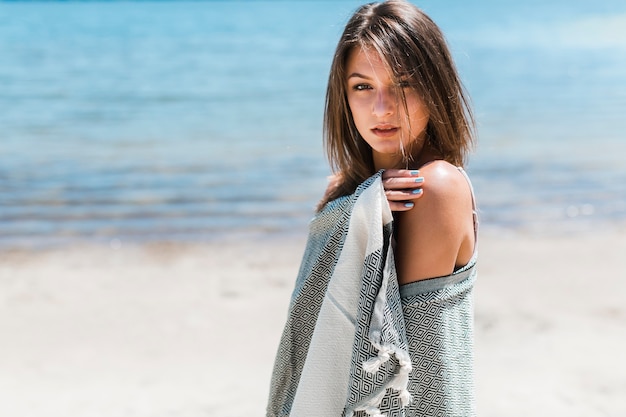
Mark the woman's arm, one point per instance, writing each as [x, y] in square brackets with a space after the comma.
[437, 234]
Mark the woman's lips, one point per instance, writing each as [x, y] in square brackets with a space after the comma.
[385, 132]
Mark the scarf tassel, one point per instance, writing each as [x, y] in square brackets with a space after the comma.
[399, 383]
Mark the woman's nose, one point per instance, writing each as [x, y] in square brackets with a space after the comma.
[384, 102]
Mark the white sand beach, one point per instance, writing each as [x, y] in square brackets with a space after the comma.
[191, 330]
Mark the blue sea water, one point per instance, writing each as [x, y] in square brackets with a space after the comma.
[195, 121]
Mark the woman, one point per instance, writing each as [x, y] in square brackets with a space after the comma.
[381, 319]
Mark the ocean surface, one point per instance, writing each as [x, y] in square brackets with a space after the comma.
[131, 122]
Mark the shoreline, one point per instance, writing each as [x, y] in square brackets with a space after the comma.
[575, 229]
[187, 330]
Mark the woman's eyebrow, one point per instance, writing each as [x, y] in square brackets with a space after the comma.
[358, 75]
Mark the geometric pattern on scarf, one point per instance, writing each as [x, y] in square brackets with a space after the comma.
[354, 342]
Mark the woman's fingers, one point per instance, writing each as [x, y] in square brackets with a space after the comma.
[402, 195]
[401, 179]
[397, 206]
[402, 187]
[391, 173]
[402, 203]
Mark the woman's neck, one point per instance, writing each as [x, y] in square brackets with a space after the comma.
[388, 161]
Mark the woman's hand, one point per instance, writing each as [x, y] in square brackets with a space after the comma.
[402, 187]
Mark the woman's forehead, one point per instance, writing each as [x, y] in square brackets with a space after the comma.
[363, 59]
[367, 56]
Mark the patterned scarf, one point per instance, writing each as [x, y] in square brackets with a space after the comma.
[344, 348]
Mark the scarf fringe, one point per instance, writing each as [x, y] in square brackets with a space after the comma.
[399, 382]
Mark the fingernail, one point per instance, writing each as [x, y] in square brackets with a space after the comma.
[420, 179]
[415, 173]
[417, 191]
[409, 205]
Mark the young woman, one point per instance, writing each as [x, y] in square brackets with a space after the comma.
[394, 105]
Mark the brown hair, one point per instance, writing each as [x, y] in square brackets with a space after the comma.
[416, 52]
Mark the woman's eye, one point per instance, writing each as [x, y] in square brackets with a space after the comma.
[361, 87]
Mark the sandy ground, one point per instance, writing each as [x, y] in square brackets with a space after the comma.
[190, 331]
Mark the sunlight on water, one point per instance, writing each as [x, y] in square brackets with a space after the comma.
[200, 120]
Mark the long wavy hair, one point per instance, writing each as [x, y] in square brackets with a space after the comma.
[415, 51]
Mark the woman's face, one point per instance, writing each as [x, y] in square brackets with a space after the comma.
[378, 111]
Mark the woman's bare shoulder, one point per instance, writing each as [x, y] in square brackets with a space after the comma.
[446, 199]
[444, 180]
[434, 233]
